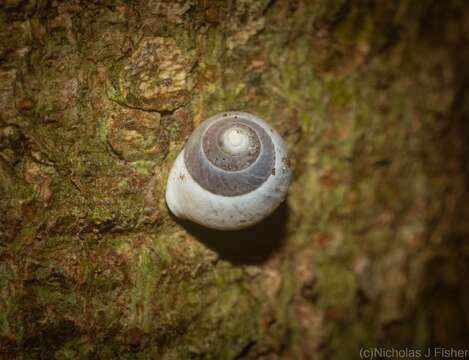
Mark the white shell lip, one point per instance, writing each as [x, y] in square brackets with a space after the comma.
[188, 200]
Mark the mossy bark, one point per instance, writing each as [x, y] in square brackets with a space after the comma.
[370, 249]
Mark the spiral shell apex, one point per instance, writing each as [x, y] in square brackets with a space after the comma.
[232, 173]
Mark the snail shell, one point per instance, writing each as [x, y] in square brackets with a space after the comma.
[232, 173]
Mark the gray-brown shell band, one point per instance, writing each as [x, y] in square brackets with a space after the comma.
[219, 158]
[234, 176]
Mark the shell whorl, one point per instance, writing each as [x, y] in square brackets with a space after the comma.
[230, 169]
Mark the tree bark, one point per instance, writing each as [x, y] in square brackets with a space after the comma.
[370, 249]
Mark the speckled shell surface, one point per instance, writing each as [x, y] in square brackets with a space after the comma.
[237, 196]
[220, 173]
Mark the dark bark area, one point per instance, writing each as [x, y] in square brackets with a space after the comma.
[371, 248]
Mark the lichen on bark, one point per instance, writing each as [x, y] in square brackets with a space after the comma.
[96, 101]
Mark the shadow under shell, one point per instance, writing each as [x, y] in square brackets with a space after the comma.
[253, 245]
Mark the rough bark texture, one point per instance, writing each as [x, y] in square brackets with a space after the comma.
[371, 248]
